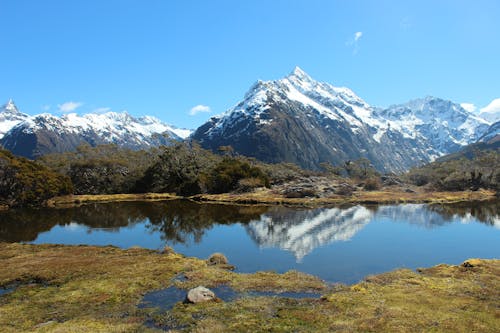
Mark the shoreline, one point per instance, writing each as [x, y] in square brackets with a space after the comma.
[98, 289]
[266, 197]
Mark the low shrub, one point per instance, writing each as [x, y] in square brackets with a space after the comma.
[372, 184]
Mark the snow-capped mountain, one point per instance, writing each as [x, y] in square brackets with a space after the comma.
[492, 134]
[300, 120]
[45, 133]
[491, 112]
[10, 117]
[442, 124]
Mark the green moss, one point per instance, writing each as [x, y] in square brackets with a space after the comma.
[97, 289]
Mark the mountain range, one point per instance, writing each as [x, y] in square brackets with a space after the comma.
[294, 119]
[33, 136]
[300, 120]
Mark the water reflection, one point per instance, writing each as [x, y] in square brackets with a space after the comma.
[297, 230]
[431, 216]
[177, 221]
[303, 231]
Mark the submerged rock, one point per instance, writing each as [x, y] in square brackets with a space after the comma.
[217, 259]
[200, 294]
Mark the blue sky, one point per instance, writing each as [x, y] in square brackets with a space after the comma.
[164, 58]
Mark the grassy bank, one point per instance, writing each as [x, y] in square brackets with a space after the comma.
[268, 197]
[72, 200]
[97, 289]
[358, 197]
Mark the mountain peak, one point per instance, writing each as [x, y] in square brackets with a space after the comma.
[300, 74]
[10, 107]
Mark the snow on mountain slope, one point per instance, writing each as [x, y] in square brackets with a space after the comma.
[32, 136]
[10, 117]
[445, 125]
[492, 111]
[339, 104]
[300, 120]
[493, 133]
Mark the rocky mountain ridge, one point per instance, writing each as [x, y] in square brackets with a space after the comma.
[297, 119]
[32, 136]
[294, 119]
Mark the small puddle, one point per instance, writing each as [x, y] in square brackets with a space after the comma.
[165, 299]
[4, 291]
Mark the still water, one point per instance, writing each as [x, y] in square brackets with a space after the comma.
[342, 244]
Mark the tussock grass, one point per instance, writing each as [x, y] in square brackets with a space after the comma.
[266, 196]
[97, 289]
[72, 200]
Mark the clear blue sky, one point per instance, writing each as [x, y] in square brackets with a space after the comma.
[162, 57]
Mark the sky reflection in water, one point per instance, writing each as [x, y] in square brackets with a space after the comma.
[337, 244]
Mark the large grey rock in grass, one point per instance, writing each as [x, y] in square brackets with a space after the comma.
[200, 294]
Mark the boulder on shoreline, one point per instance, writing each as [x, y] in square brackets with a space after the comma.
[200, 294]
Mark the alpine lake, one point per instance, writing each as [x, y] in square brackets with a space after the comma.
[338, 244]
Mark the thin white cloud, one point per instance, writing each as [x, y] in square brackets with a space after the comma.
[353, 42]
[45, 108]
[405, 23]
[469, 107]
[199, 109]
[69, 106]
[101, 110]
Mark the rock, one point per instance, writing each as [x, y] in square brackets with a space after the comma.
[345, 189]
[299, 192]
[200, 294]
[167, 250]
[217, 259]
[409, 190]
[471, 263]
[390, 180]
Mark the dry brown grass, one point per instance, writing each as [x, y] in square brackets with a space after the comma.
[96, 289]
[72, 200]
[266, 196]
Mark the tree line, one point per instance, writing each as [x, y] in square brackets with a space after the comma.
[187, 169]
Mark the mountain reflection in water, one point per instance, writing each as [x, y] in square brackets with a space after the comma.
[299, 231]
[341, 244]
[302, 231]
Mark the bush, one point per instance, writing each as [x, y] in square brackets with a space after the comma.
[226, 175]
[180, 169]
[283, 172]
[482, 170]
[249, 184]
[103, 169]
[26, 183]
[99, 177]
[372, 184]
